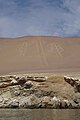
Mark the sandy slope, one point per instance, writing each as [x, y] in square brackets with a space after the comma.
[39, 54]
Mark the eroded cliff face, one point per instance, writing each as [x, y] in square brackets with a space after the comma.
[37, 91]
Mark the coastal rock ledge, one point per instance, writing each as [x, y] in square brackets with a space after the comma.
[39, 91]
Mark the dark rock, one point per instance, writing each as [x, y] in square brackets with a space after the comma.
[73, 82]
[65, 103]
[28, 84]
[13, 103]
[73, 105]
[21, 80]
[76, 98]
[77, 88]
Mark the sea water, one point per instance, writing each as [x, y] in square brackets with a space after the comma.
[39, 114]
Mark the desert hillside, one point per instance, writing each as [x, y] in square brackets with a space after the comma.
[39, 54]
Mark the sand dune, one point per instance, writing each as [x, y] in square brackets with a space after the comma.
[39, 54]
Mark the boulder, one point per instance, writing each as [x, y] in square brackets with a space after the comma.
[28, 84]
[21, 80]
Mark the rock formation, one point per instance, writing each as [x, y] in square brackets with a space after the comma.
[24, 91]
[75, 82]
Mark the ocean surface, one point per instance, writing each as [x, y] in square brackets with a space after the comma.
[39, 114]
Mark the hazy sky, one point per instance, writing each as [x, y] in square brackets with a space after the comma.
[39, 17]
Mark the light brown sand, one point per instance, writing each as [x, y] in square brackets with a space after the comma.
[39, 54]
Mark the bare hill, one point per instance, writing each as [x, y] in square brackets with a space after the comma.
[39, 54]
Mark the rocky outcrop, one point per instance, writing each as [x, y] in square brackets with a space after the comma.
[73, 82]
[20, 80]
[34, 102]
[37, 78]
[24, 91]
